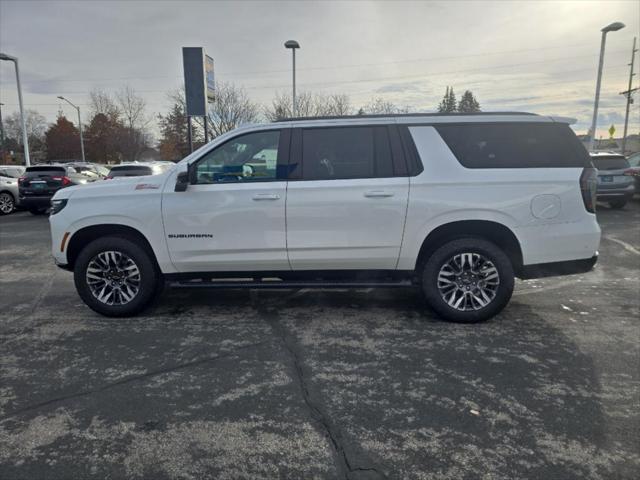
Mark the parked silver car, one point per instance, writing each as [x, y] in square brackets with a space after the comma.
[615, 184]
[9, 175]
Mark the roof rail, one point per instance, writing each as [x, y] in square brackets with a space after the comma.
[401, 115]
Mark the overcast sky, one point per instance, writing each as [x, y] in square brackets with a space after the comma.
[538, 56]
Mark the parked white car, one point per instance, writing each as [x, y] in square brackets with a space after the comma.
[9, 175]
[457, 205]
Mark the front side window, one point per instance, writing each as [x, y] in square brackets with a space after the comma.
[348, 152]
[247, 158]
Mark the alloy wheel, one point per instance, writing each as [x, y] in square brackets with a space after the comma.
[113, 278]
[6, 203]
[468, 281]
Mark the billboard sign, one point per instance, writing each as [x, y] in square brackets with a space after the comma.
[210, 77]
[194, 81]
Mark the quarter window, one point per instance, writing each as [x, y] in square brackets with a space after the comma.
[509, 145]
[348, 152]
[247, 158]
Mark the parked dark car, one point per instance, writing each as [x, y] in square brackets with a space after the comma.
[615, 185]
[39, 183]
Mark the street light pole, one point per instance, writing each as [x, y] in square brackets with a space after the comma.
[25, 140]
[613, 27]
[79, 124]
[293, 45]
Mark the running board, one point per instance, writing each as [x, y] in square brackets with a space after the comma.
[288, 284]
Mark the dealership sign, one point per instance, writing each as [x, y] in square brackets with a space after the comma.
[199, 80]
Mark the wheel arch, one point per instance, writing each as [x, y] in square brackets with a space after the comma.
[493, 231]
[85, 235]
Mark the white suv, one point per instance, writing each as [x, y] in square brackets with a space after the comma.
[457, 205]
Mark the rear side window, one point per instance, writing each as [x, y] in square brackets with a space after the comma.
[130, 171]
[514, 145]
[347, 152]
[610, 163]
[45, 170]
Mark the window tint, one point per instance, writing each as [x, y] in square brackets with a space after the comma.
[45, 170]
[348, 152]
[248, 158]
[509, 145]
[610, 163]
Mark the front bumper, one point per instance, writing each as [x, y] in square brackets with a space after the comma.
[555, 269]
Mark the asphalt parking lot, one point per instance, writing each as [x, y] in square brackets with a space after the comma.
[320, 384]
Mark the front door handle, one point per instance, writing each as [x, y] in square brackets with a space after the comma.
[378, 194]
[266, 196]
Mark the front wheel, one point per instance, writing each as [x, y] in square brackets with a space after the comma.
[468, 280]
[7, 203]
[115, 277]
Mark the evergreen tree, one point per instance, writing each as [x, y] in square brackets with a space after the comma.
[468, 103]
[448, 103]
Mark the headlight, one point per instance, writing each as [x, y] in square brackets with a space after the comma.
[57, 205]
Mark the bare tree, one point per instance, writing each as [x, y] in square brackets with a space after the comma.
[308, 105]
[231, 107]
[101, 102]
[380, 106]
[36, 127]
[133, 108]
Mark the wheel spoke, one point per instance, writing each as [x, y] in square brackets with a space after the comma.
[113, 277]
[468, 281]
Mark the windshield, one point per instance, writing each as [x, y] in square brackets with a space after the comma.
[11, 172]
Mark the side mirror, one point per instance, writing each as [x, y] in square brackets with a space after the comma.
[182, 182]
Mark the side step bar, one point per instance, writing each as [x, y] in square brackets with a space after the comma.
[288, 284]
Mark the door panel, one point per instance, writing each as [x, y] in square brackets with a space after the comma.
[227, 227]
[346, 224]
[232, 215]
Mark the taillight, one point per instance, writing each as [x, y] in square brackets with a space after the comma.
[21, 179]
[632, 172]
[65, 180]
[588, 187]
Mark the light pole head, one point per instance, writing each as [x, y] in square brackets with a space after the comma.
[4, 56]
[613, 27]
[60, 97]
[291, 44]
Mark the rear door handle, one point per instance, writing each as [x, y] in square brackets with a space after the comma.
[378, 194]
[266, 196]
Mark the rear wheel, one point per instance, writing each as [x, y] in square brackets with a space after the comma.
[617, 204]
[115, 277]
[468, 280]
[7, 203]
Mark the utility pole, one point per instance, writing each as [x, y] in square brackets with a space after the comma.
[1, 129]
[628, 94]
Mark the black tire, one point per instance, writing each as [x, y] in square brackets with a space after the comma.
[502, 292]
[7, 203]
[38, 211]
[618, 204]
[149, 279]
